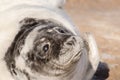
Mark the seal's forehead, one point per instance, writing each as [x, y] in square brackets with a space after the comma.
[44, 25]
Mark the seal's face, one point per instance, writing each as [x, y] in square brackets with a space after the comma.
[43, 47]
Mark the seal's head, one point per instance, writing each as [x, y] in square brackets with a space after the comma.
[43, 47]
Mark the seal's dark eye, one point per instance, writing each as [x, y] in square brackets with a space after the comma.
[45, 48]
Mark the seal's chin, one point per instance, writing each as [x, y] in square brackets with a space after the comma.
[70, 53]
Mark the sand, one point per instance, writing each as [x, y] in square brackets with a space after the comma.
[102, 19]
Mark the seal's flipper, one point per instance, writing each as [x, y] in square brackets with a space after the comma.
[93, 55]
[99, 75]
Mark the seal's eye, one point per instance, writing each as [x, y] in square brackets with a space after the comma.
[45, 47]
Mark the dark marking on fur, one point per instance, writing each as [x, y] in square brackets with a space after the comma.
[27, 75]
[29, 22]
[13, 50]
[13, 69]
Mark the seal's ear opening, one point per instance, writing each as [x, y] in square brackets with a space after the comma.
[93, 55]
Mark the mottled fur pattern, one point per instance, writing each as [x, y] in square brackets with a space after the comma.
[36, 60]
[39, 42]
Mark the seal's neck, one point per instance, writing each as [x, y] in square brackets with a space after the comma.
[5, 4]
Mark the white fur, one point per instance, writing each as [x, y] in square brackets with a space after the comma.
[11, 12]
[93, 55]
[6, 4]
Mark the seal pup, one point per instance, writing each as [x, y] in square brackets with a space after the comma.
[39, 42]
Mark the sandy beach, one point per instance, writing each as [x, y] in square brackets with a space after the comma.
[102, 19]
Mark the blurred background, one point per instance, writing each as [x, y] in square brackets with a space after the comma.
[102, 19]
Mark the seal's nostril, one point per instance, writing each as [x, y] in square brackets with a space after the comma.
[70, 43]
[74, 39]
